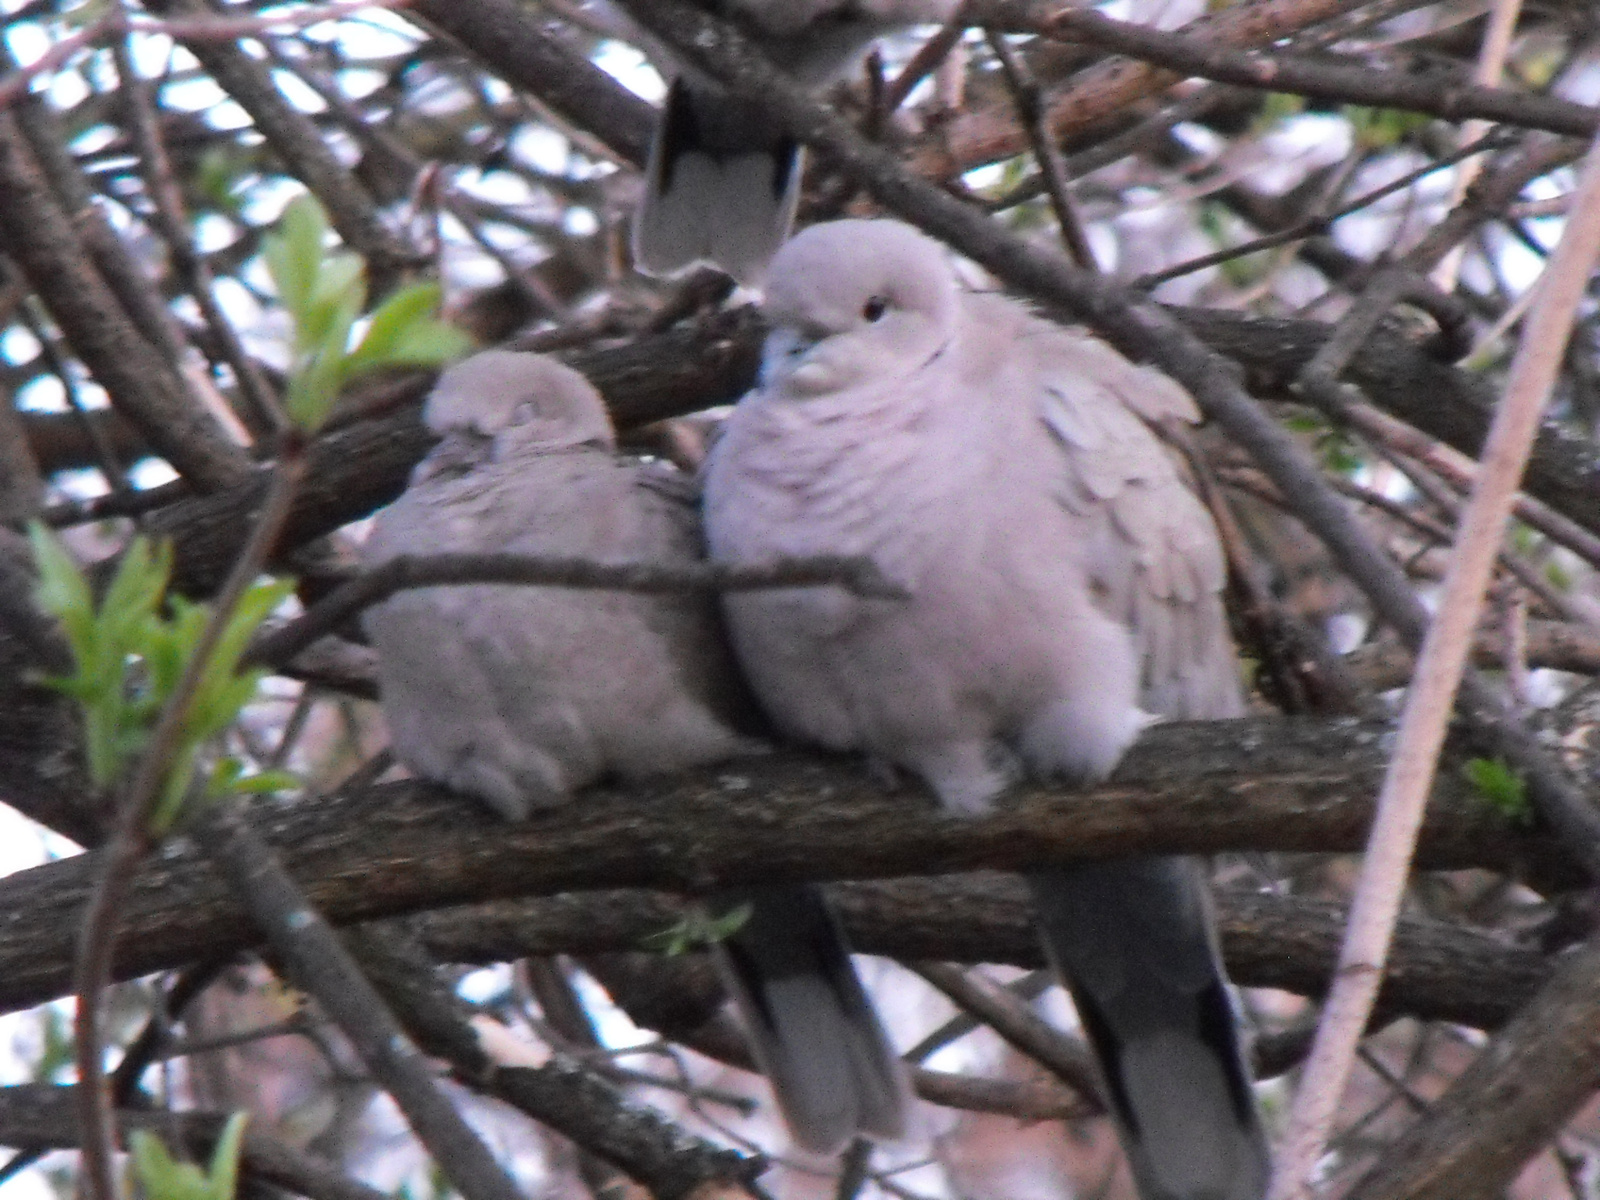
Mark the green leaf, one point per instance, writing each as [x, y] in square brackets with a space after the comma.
[325, 294]
[1378, 128]
[228, 779]
[225, 1158]
[265, 782]
[293, 254]
[161, 1177]
[1500, 787]
[312, 392]
[219, 178]
[57, 1052]
[62, 590]
[337, 297]
[130, 656]
[697, 929]
[403, 332]
[430, 344]
[136, 588]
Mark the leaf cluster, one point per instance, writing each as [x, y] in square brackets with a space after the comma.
[325, 293]
[129, 654]
[162, 1177]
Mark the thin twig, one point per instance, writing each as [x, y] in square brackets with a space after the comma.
[404, 572]
[1463, 472]
[1439, 671]
[1064, 1057]
[1321, 79]
[1311, 226]
[1031, 986]
[133, 838]
[1485, 73]
[1030, 108]
[319, 963]
[205, 28]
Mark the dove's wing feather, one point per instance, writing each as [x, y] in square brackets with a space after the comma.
[715, 190]
[1134, 938]
[723, 183]
[1156, 558]
[812, 1027]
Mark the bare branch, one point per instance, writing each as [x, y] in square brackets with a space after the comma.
[374, 852]
[146, 389]
[1508, 1104]
[1322, 79]
[404, 572]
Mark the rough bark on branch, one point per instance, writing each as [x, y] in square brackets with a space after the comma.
[1441, 971]
[398, 848]
[1525, 1086]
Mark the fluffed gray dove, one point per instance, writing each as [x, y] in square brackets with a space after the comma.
[1065, 590]
[520, 695]
[722, 182]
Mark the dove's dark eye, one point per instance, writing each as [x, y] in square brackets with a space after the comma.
[874, 308]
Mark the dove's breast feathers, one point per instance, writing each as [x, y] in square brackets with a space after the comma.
[521, 694]
[1009, 485]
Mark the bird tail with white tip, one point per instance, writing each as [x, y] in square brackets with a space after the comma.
[1133, 940]
[812, 1027]
[717, 190]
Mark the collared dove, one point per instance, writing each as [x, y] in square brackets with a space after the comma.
[722, 182]
[1065, 588]
[520, 695]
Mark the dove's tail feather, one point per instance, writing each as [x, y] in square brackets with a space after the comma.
[1134, 942]
[811, 1025]
[717, 189]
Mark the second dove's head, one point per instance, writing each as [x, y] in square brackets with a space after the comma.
[499, 390]
[853, 301]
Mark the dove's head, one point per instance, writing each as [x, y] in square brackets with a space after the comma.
[499, 391]
[851, 301]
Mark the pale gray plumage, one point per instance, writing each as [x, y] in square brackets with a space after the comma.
[722, 183]
[1065, 589]
[519, 695]
[516, 694]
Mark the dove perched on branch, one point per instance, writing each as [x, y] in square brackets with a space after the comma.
[722, 182]
[1065, 588]
[519, 695]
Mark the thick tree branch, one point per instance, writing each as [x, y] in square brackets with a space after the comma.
[506, 37]
[392, 849]
[1531, 1079]
[1441, 972]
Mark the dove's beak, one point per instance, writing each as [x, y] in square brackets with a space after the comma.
[785, 350]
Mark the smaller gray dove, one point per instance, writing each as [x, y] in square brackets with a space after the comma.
[1064, 588]
[520, 695]
[722, 182]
